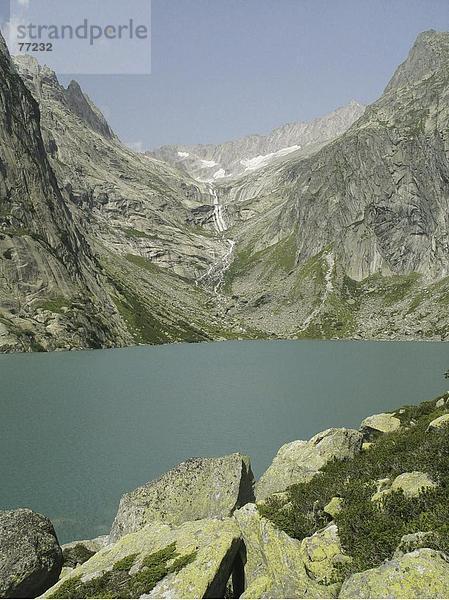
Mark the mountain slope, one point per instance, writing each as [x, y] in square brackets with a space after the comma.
[49, 287]
[353, 240]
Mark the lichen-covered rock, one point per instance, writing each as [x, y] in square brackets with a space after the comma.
[323, 554]
[30, 555]
[411, 484]
[381, 423]
[420, 574]
[198, 488]
[193, 560]
[275, 562]
[334, 506]
[299, 461]
[439, 422]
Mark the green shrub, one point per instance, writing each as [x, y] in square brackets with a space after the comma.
[370, 532]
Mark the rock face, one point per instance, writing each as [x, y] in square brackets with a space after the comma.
[194, 560]
[299, 461]
[30, 556]
[255, 151]
[420, 574]
[275, 565]
[381, 423]
[196, 489]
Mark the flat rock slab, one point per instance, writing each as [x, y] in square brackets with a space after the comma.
[199, 488]
[381, 423]
[30, 555]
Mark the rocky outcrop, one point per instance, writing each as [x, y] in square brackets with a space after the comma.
[299, 461]
[196, 489]
[194, 560]
[275, 563]
[420, 574]
[30, 555]
[381, 423]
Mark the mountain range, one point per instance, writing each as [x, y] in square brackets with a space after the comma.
[336, 228]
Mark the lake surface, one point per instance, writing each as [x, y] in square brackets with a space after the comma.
[78, 429]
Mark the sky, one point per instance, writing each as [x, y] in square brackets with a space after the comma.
[222, 69]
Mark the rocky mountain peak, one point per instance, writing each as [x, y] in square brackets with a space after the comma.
[43, 84]
[428, 54]
[81, 104]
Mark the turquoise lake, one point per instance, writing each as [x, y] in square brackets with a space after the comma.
[78, 429]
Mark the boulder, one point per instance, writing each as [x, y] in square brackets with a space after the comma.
[275, 565]
[323, 554]
[30, 555]
[334, 506]
[192, 560]
[423, 573]
[381, 423]
[439, 422]
[299, 461]
[199, 488]
[412, 484]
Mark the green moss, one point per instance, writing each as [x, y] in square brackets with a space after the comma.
[118, 583]
[370, 532]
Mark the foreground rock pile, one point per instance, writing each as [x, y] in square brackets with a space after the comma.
[202, 531]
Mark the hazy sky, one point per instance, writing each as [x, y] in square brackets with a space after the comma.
[225, 68]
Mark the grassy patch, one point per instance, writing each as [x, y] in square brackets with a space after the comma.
[142, 263]
[55, 305]
[369, 532]
[118, 583]
[130, 232]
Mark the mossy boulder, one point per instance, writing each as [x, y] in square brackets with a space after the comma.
[380, 423]
[199, 488]
[275, 565]
[193, 560]
[300, 461]
[423, 573]
[30, 555]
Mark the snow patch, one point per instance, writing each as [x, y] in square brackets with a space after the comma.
[183, 154]
[252, 164]
[209, 163]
